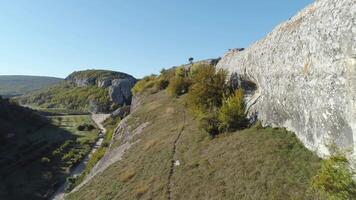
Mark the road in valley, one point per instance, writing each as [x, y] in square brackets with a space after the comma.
[98, 119]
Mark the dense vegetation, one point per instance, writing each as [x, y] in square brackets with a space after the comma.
[254, 163]
[335, 179]
[67, 96]
[36, 152]
[212, 100]
[96, 75]
[110, 125]
[19, 85]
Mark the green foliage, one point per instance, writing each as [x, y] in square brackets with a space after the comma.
[164, 78]
[97, 75]
[178, 85]
[335, 179]
[35, 150]
[206, 96]
[110, 125]
[232, 113]
[208, 89]
[210, 123]
[144, 84]
[70, 97]
[85, 127]
[180, 71]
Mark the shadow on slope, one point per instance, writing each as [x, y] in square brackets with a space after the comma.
[31, 153]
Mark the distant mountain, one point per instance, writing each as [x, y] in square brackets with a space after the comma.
[19, 85]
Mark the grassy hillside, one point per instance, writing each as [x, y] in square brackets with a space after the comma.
[68, 96]
[254, 163]
[36, 152]
[18, 85]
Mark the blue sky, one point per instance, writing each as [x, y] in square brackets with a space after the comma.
[139, 37]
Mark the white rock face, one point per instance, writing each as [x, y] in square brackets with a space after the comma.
[305, 75]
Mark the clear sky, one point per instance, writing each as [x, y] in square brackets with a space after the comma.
[139, 37]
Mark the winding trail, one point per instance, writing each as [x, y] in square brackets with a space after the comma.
[98, 119]
[173, 159]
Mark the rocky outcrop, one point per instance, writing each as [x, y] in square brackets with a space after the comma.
[304, 75]
[118, 84]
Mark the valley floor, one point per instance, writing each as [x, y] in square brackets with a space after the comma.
[98, 119]
[171, 158]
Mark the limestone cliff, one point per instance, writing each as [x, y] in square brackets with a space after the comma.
[118, 84]
[304, 73]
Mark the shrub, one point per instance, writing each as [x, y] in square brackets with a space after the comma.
[180, 71]
[210, 123]
[85, 127]
[208, 89]
[144, 84]
[334, 180]
[161, 84]
[163, 79]
[232, 113]
[178, 85]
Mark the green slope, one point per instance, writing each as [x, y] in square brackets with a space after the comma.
[255, 163]
[67, 96]
[36, 152]
[18, 85]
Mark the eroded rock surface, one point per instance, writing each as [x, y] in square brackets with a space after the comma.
[118, 84]
[305, 75]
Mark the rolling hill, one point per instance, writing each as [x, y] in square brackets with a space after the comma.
[18, 85]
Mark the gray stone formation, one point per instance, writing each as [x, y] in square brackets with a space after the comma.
[302, 76]
[118, 84]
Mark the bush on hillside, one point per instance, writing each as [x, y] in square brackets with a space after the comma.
[144, 84]
[208, 89]
[178, 85]
[334, 180]
[232, 113]
[210, 123]
[163, 79]
[181, 72]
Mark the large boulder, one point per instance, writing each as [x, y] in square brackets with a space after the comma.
[304, 75]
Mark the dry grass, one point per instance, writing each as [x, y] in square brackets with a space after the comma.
[127, 175]
[250, 164]
[140, 190]
[150, 143]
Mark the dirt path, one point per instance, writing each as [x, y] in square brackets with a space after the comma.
[98, 119]
[173, 159]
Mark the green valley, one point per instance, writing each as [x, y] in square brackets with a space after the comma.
[37, 152]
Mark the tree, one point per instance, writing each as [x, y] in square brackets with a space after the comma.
[191, 59]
